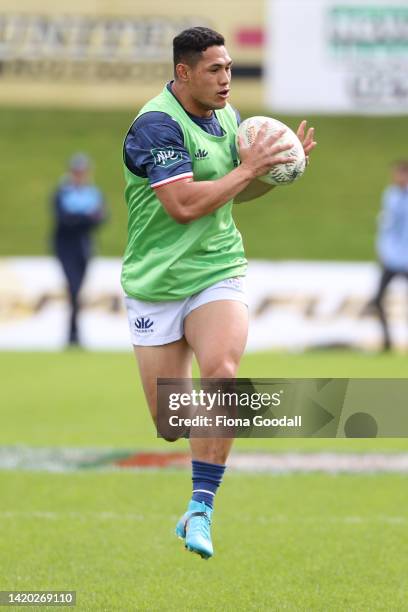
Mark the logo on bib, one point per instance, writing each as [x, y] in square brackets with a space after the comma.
[201, 154]
[166, 157]
[234, 155]
[143, 325]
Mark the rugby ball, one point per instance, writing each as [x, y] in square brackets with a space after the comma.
[281, 174]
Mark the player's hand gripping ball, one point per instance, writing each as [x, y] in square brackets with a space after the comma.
[281, 174]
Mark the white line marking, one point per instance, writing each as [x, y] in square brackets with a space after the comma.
[73, 459]
[271, 519]
[54, 516]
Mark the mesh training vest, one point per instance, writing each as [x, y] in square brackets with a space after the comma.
[166, 260]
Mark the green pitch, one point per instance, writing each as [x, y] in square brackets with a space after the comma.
[329, 214]
[291, 542]
[78, 398]
[299, 543]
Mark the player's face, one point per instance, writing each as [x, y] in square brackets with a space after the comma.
[400, 177]
[80, 177]
[210, 79]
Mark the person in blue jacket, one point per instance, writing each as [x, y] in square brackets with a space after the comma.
[79, 208]
[392, 240]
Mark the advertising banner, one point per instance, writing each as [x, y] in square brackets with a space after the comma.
[337, 56]
[106, 54]
[292, 305]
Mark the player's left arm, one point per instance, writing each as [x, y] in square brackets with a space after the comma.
[257, 188]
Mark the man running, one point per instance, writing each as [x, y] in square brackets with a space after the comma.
[184, 265]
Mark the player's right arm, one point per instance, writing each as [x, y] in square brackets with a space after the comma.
[188, 200]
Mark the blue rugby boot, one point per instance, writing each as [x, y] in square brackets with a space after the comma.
[194, 527]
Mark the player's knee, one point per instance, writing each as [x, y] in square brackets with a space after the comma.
[181, 432]
[221, 368]
[172, 439]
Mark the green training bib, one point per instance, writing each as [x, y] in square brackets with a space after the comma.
[165, 260]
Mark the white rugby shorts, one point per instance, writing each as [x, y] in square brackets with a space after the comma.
[156, 323]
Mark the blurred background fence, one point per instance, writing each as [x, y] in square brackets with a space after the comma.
[74, 74]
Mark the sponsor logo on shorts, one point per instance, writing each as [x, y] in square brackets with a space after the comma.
[164, 158]
[143, 325]
[235, 281]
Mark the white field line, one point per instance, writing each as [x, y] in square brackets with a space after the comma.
[73, 459]
[327, 462]
[271, 519]
[82, 516]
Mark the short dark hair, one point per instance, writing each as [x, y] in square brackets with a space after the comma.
[400, 164]
[189, 44]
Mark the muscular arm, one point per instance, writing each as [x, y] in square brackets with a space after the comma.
[254, 190]
[188, 200]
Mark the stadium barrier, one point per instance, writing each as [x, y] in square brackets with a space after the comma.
[293, 305]
[115, 54]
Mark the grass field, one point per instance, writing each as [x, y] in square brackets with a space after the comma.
[330, 214]
[95, 399]
[296, 542]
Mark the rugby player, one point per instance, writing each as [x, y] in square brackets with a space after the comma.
[392, 241]
[184, 265]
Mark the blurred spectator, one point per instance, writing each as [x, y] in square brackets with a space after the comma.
[392, 241]
[78, 208]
